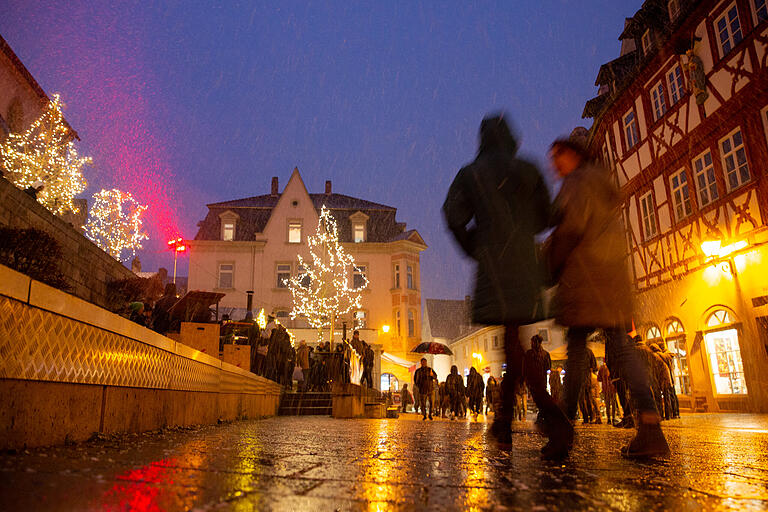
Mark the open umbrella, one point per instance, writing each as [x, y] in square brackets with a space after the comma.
[431, 347]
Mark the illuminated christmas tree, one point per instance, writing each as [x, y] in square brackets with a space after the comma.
[115, 224]
[321, 289]
[45, 153]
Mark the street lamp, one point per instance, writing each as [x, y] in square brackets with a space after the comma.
[385, 329]
[177, 246]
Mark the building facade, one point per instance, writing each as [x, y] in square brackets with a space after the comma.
[681, 118]
[252, 244]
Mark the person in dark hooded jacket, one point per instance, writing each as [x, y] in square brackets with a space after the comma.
[586, 254]
[508, 203]
[475, 389]
[454, 385]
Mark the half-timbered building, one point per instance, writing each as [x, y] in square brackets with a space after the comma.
[681, 118]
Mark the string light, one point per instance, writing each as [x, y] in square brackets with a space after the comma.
[115, 224]
[321, 289]
[261, 319]
[46, 153]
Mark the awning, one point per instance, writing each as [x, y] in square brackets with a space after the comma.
[399, 361]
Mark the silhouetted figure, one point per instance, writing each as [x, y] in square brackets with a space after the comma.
[537, 364]
[586, 254]
[424, 379]
[508, 202]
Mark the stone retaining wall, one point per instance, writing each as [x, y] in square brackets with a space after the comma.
[86, 268]
[69, 368]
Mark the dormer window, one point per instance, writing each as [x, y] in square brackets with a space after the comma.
[228, 231]
[228, 221]
[359, 232]
[359, 222]
[645, 42]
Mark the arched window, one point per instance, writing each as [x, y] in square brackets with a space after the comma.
[653, 333]
[675, 334]
[389, 382]
[725, 354]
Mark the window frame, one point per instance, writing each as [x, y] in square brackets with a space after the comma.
[361, 227]
[409, 277]
[398, 325]
[658, 101]
[626, 128]
[709, 186]
[396, 276]
[675, 79]
[292, 223]
[219, 274]
[224, 230]
[647, 235]
[357, 325]
[755, 11]
[357, 270]
[289, 272]
[646, 43]
[724, 324]
[734, 152]
[731, 40]
[673, 15]
[411, 323]
[682, 184]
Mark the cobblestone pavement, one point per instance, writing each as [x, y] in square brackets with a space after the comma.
[318, 463]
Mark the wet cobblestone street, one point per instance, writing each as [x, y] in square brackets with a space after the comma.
[318, 463]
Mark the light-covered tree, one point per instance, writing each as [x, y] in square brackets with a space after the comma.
[115, 223]
[46, 153]
[321, 289]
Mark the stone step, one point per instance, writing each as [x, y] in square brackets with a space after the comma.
[306, 404]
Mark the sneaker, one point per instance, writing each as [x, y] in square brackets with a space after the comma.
[649, 442]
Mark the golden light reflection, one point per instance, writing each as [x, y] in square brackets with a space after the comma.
[379, 469]
[245, 475]
[473, 465]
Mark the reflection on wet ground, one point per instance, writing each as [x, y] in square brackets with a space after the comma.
[318, 463]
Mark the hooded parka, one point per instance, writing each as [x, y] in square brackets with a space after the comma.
[508, 201]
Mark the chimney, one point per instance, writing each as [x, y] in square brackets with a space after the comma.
[274, 186]
[328, 187]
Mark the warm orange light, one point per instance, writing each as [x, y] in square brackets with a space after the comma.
[385, 328]
[710, 248]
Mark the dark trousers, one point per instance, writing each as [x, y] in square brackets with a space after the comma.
[675, 403]
[610, 405]
[423, 399]
[618, 349]
[476, 404]
[621, 393]
[514, 356]
[456, 405]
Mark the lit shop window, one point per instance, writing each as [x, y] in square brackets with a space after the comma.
[725, 354]
[676, 346]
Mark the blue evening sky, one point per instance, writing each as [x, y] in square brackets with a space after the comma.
[186, 103]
